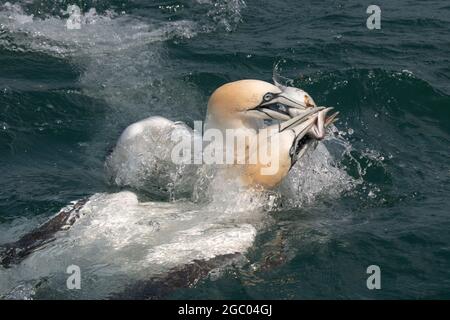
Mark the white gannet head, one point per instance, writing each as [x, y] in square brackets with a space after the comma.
[245, 103]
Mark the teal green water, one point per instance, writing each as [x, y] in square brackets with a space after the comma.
[66, 97]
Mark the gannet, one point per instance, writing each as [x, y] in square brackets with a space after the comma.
[243, 105]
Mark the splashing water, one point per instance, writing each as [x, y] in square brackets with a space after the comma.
[119, 236]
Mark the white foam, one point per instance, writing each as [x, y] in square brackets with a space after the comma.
[315, 174]
[118, 235]
[98, 34]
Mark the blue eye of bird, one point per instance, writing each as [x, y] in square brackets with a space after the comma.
[268, 97]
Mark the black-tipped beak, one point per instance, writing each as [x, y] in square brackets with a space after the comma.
[276, 111]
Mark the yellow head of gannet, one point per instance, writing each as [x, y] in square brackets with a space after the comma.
[245, 104]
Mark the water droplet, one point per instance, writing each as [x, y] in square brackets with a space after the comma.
[350, 131]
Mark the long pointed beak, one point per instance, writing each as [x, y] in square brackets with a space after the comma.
[295, 98]
[287, 104]
[314, 119]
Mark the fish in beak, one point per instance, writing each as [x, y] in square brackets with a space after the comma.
[295, 136]
[292, 105]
